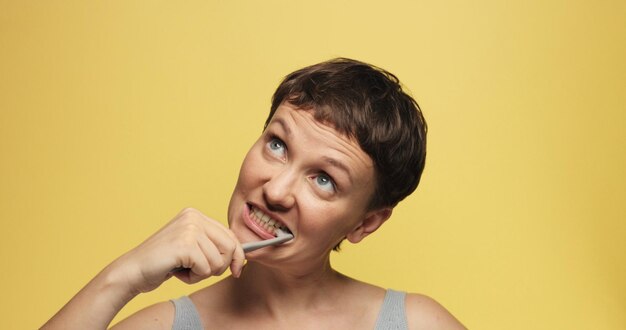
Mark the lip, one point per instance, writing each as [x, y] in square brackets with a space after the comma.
[252, 225]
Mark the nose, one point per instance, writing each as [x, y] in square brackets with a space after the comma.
[278, 191]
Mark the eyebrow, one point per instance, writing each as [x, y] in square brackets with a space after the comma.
[284, 125]
[335, 163]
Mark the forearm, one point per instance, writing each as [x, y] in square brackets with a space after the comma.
[95, 306]
[179, 244]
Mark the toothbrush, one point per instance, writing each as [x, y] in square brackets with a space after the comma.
[281, 237]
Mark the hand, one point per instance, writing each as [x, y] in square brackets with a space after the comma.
[193, 241]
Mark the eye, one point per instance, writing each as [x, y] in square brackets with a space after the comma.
[277, 147]
[325, 182]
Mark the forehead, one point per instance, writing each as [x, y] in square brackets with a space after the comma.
[321, 139]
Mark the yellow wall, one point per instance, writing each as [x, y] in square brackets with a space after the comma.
[114, 115]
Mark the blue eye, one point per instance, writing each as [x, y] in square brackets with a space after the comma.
[277, 147]
[325, 182]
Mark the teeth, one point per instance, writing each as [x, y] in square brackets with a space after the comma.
[265, 221]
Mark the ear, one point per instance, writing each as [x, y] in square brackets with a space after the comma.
[372, 221]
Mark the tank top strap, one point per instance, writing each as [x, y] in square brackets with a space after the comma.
[392, 313]
[186, 315]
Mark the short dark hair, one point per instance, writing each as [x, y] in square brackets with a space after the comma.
[367, 103]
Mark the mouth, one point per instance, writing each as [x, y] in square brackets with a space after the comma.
[261, 223]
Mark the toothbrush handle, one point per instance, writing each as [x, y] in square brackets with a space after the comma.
[251, 246]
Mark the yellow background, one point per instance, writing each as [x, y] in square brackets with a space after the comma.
[114, 115]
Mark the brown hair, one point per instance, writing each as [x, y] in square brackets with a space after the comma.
[367, 103]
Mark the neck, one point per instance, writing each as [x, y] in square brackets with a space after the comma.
[275, 290]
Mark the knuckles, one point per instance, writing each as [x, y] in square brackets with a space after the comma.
[220, 267]
[188, 215]
[206, 272]
[229, 247]
[188, 210]
[190, 227]
[185, 243]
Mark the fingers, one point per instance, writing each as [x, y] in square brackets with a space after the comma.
[218, 245]
[197, 267]
[231, 250]
[214, 257]
[238, 257]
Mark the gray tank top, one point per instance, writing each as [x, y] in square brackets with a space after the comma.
[391, 316]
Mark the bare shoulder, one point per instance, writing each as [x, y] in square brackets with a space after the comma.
[423, 312]
[157, 316]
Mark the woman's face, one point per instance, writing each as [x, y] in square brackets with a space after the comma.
[305, 176]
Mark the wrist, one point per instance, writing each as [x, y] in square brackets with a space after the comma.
[116, 281]
[96, 304]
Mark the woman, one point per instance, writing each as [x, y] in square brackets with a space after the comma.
[342, 145]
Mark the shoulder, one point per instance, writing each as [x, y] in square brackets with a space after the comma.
[157, 316]
[423, 312]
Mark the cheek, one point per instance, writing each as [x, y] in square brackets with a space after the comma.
[245, 182]
[249, 172]
[329, 217]
[254, 172]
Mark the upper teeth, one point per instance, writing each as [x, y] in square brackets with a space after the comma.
[259, 215]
